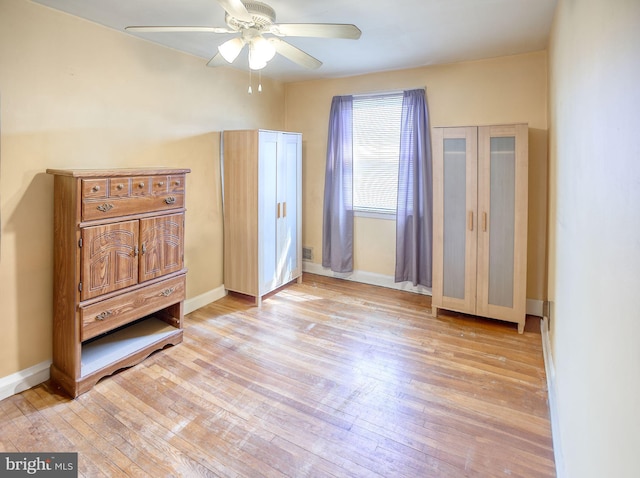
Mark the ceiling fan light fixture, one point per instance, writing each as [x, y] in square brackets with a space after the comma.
[231, 49]
[260, 52]
[256, 63]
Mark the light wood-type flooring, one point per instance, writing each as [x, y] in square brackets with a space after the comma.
[327, 378]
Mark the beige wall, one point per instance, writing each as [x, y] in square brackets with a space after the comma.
[594, 235]
[502, 90]
[75, 94]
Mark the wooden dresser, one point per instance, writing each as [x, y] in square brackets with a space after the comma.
[119, 276]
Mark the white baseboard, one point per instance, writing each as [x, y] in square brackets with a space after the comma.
[552, 394]
[366, 278]
[32, 376]
[203, 299]
[534, 307]
[24, 379]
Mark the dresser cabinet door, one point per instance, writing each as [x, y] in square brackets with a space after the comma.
[161, 246]
[109, 258]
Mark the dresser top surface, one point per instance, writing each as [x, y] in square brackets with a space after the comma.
[117, 172]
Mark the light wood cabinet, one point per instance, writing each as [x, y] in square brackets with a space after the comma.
[262, 210]
[119, 276]
[480, 221]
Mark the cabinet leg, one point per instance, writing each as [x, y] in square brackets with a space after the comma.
[259, 300]
[434, 311]
[521, 327]
[299, 279]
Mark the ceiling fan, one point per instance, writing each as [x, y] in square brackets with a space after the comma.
[252, 20]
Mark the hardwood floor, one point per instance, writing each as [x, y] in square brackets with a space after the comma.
[328, 378]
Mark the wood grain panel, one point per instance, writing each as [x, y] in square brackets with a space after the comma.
[241, 204]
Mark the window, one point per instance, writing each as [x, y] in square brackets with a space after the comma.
[376, 149]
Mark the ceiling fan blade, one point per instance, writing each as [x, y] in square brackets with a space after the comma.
[320, 30]
[236, 9]
[217, 60]
[295, 54]
[155, 29]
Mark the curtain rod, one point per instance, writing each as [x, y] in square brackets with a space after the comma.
[389, 92]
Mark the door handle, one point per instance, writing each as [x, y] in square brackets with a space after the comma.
[484, 222]
[471, 220]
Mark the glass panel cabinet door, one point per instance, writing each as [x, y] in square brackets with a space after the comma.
[502, 205]
[455, 218]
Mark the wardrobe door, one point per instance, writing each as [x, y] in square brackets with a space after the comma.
[269, 209]
[502, 205]
[289, 175]
[455, 218]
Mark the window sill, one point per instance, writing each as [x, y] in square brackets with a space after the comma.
[389, 216]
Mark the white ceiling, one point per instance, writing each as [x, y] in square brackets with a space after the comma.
[396, 34]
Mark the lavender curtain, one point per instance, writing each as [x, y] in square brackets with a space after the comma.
[414, 215]
[337, 231]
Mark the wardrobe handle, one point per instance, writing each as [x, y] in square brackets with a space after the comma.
[471, 220]
[484, 222]
[278, 211]
[284, 209]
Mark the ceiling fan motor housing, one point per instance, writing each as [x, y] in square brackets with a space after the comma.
[263, 15]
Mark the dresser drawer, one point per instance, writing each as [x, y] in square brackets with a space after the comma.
[176, 183]
[119, 187]
[112, 313]
[114, 207]
[102, 198]
[94, 188]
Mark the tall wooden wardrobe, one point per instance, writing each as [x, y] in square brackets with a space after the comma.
[480, 221]
[262, 210]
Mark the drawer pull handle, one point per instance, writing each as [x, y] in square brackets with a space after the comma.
[104, 315]
[140, 185]
[177, 183]
[170, 200]
[144, 248]
[161, 183]
[135, 251]
[120, 187]
[167, 292]
[96, 188]
[105, 207]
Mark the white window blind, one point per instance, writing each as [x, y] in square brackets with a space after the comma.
[376, 149]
